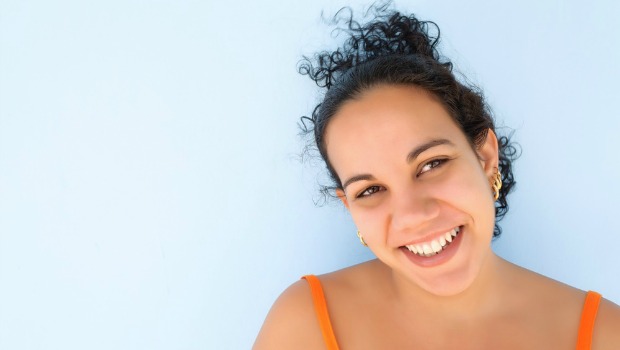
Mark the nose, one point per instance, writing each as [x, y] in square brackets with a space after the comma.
[412, 208]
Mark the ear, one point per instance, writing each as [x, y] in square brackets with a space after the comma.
[342, 197]
[488, 154]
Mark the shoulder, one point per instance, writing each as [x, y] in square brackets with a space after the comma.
[566, 304]
[366, 274]
[607, 327]
[291, 323]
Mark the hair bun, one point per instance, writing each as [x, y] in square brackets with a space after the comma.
[389, 33]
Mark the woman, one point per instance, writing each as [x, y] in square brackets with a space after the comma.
[416, 160]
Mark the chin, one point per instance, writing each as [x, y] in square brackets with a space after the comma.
[453, 282]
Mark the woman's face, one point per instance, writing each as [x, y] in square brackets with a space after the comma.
[418, 193]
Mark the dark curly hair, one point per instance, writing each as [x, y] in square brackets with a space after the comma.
[398, 49]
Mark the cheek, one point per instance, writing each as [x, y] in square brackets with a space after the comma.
[463, 186]
[470, 192]
[371, 222]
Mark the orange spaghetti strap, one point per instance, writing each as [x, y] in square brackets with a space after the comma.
[588, 316]
[320, 306]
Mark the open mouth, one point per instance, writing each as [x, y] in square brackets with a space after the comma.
[436, 246]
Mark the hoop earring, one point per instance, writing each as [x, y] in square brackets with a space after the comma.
[359, 235]
[497, 184]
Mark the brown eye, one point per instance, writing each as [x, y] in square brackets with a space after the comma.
[432, 165]
[370, 191]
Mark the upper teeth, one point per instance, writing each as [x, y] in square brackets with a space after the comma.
[435, 246]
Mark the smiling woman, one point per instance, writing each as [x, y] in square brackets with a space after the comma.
[416, 160]
[423, 182]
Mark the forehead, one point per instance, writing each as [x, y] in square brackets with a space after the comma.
[387, 121]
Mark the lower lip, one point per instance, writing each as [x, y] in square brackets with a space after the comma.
[436, 259]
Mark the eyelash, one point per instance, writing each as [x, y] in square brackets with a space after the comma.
[372, 189]
[438, 162]
[435, 163]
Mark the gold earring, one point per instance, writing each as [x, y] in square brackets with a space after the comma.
[359, 235]
[497, 184]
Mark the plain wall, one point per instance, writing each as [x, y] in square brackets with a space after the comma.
[151, 194]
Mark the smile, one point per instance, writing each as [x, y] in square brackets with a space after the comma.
[436, 246]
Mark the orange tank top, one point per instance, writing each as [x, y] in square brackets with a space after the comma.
[584, 336]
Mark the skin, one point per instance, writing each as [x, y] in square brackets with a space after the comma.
[475, 299]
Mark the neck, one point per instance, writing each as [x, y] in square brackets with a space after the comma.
[481, 298]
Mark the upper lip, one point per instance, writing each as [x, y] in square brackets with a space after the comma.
[428, 238]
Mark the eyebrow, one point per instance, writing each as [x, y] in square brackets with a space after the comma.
[410, 158]
[362, 177]
[425, 146]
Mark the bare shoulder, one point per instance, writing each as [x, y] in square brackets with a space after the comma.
[607, 327]
[366, 274]
[548, 295]
[566, 304]
[291, 323]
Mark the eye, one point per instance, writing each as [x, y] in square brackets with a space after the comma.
[369, 191]
[435, 163]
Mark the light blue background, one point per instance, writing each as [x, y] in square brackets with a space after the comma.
[150, 192]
